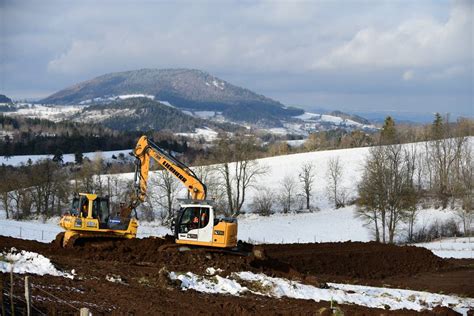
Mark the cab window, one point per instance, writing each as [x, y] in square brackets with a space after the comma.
[204, 218]
[189, 219]
[75, 207]
[84, 206]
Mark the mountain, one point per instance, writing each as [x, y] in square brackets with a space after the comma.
[5, 99]
[143, 114]
[183, 88]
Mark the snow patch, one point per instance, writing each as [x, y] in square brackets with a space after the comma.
[373, 297]
[166, 103]
[215, 284]
[28, 262]
[212, 271]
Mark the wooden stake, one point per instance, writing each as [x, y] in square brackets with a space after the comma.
[1, 294]
[27, 296]
[84, 311]
[12, 306]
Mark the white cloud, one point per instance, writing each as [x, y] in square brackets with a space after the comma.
[408, 75]
[421, 42]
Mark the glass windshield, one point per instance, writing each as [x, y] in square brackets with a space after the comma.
[84, 207]
[100, 209]
[75, 207]
[193, 218]
[104, 210]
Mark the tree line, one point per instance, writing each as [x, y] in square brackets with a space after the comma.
[397, 178]
[37, 136]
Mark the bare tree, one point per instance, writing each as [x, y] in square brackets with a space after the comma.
[240, 171]
[168, 189]
[5, 188]
[386, 191]
[306, 177]
[216, 190]
[262, 202]
[288, 193]
[335, 191]
[445, 153]
[465, 188]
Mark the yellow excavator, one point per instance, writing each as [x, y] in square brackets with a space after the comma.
[195, 222]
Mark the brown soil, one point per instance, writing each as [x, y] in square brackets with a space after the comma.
[145, 290]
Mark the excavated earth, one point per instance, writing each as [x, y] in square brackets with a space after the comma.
[141, 265]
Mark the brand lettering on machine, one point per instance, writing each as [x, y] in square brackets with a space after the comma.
[174, 171]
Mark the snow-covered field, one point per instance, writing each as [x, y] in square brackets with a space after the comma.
[55, 113]
[23, 159]
[373, 297]
[331, 119]
[451, 247]
[325, 225]
[206, 133]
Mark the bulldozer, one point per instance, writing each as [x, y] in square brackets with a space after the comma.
[90, 217]
[195, 223]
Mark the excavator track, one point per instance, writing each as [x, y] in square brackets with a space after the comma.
[256, 251]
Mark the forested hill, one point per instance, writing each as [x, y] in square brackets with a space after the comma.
[5, 99]
[183, 88]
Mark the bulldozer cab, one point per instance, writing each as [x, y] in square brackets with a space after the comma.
[91, 206]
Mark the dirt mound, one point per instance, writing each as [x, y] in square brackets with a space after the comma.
[111, 274]
[356, 259]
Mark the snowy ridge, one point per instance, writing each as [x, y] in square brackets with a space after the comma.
[117, 97]
[373, 297]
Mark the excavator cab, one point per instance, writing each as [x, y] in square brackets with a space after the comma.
[90, 217]
[196, 224]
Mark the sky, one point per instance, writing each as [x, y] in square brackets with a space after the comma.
[359, 55]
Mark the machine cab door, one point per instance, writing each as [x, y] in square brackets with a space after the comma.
[195, 223]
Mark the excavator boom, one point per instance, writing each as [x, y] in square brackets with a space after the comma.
[146, 149]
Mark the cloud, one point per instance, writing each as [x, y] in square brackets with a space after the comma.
[280, 48]
[408, 75]
[419, 42]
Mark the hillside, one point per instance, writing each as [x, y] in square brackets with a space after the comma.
[140, 114]
[183, 88]
[5, 99]
[353, 117]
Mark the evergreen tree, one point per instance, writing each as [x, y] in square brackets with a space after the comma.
[78, 158]
[389, 132]
[58, 156]
[437, 127]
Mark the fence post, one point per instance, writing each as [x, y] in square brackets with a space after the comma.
[1, 294]
[12, 305]
[20, 231]
[84, 311]
[27, 296]
[42, 231]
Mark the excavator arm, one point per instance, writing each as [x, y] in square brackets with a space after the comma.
[144, 151]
